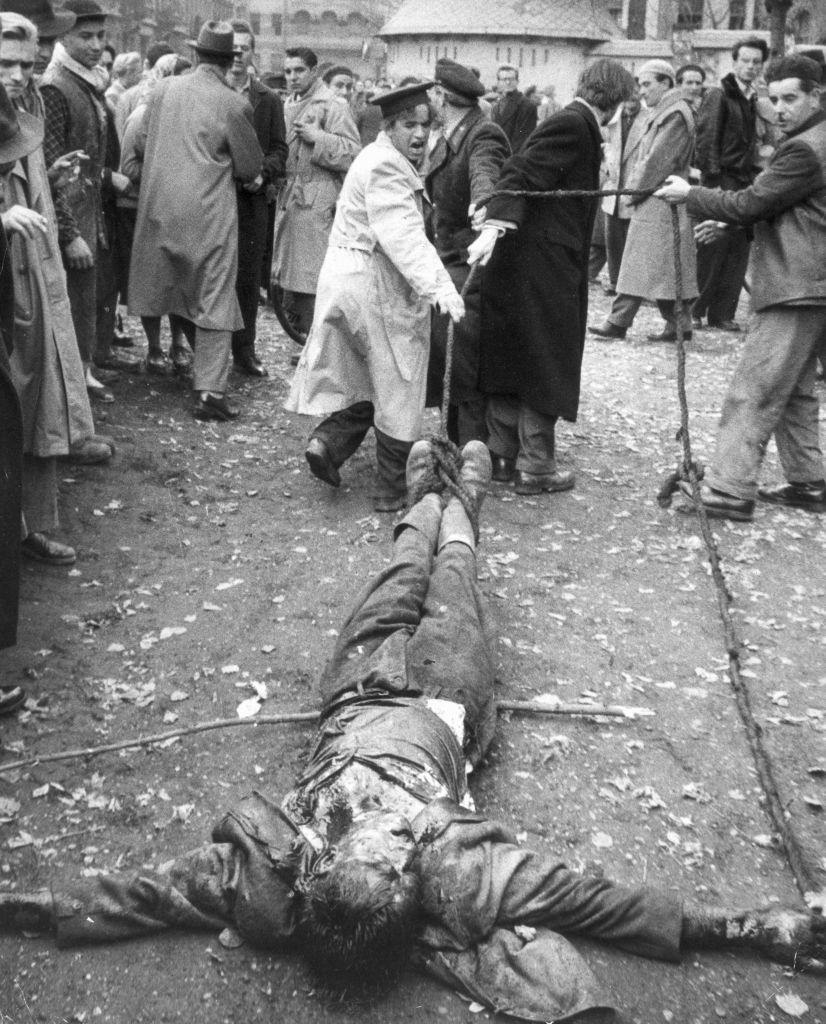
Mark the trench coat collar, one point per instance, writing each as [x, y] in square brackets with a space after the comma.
[214, 71]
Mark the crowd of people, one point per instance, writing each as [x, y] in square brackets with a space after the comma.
[181, 188]
[178, 189]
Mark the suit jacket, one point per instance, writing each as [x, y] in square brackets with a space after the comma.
[727, 136]
[461, 171]
[516, 116]
[268, 122]
[787, 205]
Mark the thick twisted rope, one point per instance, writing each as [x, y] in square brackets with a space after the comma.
[807, 876]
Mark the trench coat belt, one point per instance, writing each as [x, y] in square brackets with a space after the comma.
[357, 246]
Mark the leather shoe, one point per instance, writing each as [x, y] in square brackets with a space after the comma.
[91, 451]
[419, 462]
[98, 393]
[12, 698]
[158, 364]
[121, 340]
[809, 496]
[717, 504]
[502, 469]
[476, 469]
[669, 334]
[726, 325]
[214, 407]
[536, 483]
[41, 548]
[607, 330]
[390, 502]
[251, 366]
[321, 462]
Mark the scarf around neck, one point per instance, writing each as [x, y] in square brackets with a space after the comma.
[95, 77]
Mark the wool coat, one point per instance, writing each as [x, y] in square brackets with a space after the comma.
[371, 331]
[45, 365]
[11, 458]
[648, 259]
[315, 173]
[195, 140]
[535, 287]
[516, 115]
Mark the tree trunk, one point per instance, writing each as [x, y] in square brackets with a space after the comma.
[777, 11]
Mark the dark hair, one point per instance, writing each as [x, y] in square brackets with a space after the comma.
[690, 67]
[753, 43]
[808, 71]
[110, 49]
[605, 84]
[155, 51]
[223, 61]
[336, 69]
[409, 80]
[359, 923]
[181, 65]
[304, 54]
[815, 54]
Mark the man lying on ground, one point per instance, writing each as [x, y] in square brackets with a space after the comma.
[377, 856]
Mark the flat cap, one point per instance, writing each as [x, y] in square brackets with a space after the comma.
[459, 79]
[658, 66]
[401, 99]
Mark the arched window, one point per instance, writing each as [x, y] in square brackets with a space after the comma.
[301, 18]
[329, 18]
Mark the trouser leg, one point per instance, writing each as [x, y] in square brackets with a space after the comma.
[537, 442]
[300, 308]
[252, 229]
[39, 504]
[342, 432]
[623, 310]
[450, 654]
[269, 240]
[734, 261]
[152, 329]
[797, 434]
[391, 462]
[597, 254]
[213, 355]
[667, 308]
[616, 231]
[467, 420]
[106, 303]
[780, 344]
[179, 325]
[81, 286]
[11, 464]
[502, 418]
[371, 643]
[710, 258]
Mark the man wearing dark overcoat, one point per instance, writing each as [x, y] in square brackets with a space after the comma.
[461, 170]
[268, 122]
[513, 111]
[535, 288]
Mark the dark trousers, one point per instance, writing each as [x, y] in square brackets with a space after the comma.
[93, 297]
[300, 309]
[424, 610]
[266, 260]
[252, 240]
[597, 254]
[616, 232]
[11, 474]
[721, 271]
[344, 431]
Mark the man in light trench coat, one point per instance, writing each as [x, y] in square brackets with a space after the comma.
[365, 362]
[196, 139]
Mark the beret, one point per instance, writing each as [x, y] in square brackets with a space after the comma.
[458, 79]
[657, 67]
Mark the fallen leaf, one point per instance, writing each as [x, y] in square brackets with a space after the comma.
[602, 840]
[178, 695]
[228, 584]
[248, 708]
[230, 939]
[791, 1004]
[169, 631]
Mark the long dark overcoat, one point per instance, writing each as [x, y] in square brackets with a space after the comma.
[11, 457]
[535, 287]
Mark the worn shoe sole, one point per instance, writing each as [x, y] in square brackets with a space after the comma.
[322, 468]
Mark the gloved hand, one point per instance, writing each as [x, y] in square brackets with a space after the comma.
[451, 302]
[480, 250]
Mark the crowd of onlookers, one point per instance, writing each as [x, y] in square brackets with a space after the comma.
[182, 187]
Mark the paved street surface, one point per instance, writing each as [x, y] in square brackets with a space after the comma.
[214, 569]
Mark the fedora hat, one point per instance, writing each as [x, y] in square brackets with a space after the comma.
[85, 10]
[20, 133]
[50, 23]
[215, 40]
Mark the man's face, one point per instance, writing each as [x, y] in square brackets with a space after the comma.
[16, 66]
[409, 133]
[85, 42]
[342, 85]
[379, 839]
[792, 105]
[240, 66]
[652, 91]
[692, 85]
[507, 81]
[45, 49]
[299, 76]
[748, 64]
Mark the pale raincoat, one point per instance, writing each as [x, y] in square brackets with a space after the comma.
[45, 363]
[370, 337]
[315, 174]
